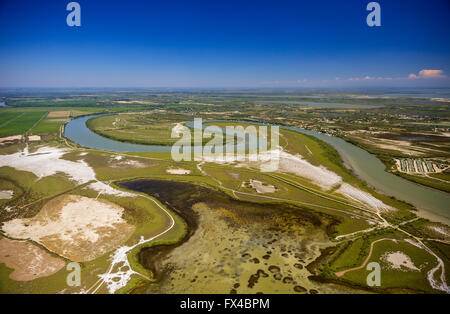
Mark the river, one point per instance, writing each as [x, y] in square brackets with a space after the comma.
[431, 203]
[77, 131]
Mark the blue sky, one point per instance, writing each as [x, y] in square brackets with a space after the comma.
[216, 43]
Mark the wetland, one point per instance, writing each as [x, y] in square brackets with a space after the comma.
[233, 246]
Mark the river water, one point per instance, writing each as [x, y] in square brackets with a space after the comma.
[432, 204]
[77, 131]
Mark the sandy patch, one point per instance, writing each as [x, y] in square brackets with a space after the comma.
[179, 128]
[56, 120]
[439, 230]
[28, 261]
[119, 162]
[107, 189]
[133, 102]
[10, 139]
[75, 227]
[127, 163]
[399, 261]
[262, 188]
[125, 101]
[400, 149]
[6, 195]
[362, 197]
[327, 179]
[404, 147]
[441, 99]
[65, 113]
[34, 138]
[47, 161]
[319, 175]
[58, 114]
[178, 171]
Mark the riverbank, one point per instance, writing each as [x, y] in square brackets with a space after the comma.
[389, 162]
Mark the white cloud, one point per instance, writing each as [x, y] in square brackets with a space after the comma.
[428, 74]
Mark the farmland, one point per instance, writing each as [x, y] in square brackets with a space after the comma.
[21, 122]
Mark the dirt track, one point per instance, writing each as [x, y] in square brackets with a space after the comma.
[342, 273]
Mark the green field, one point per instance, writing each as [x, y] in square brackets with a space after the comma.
[17, 121]
[21, 123]
[48, 126]
[7, 117]
[398, 278]
[134, 128]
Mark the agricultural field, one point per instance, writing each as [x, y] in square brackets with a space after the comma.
[20, 122]
[42, 120]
